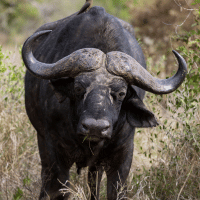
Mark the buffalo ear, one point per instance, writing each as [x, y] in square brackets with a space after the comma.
[61, 88]
[137, 113]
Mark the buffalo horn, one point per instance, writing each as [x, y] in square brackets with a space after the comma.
[82, 60]
[123, 65]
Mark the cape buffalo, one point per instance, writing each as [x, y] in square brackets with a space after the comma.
[84, 87]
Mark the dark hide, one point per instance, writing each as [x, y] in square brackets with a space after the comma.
[89, 120]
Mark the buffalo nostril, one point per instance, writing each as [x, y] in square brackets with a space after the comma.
[100, 126]
[105, 129]
[84, 126]
[85, 129]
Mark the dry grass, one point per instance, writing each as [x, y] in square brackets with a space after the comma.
[19, 159]
[171, 166]
[76, 191]
[165, 165]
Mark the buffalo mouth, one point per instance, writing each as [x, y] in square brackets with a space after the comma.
[90, 138]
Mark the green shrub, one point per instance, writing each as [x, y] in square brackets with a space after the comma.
[11, 78]
[15, 15]
[19, 160]
[118, 8]
[174, 146]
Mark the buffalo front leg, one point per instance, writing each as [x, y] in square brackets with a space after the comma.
[52, 176]
[118, 173]
[94, 179]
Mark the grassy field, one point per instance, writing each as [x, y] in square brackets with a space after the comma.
[166, 162]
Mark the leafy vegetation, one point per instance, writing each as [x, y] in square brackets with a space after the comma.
[18, 146]
[174, 156]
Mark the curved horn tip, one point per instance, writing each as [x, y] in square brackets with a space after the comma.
[181, 60]
[30, 40]
[27, 50]
[36, 35]
[176, 54]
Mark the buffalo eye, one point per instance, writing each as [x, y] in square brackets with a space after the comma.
[79, 89]
[118, 95]
[121, 95]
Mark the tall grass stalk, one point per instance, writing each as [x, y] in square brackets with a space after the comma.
[19, 160]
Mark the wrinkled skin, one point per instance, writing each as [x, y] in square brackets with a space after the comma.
[90, 119]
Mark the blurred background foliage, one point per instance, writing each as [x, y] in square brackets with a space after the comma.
[19, 16]
[14, 15]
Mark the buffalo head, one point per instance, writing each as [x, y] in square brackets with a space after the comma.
[102, 87]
